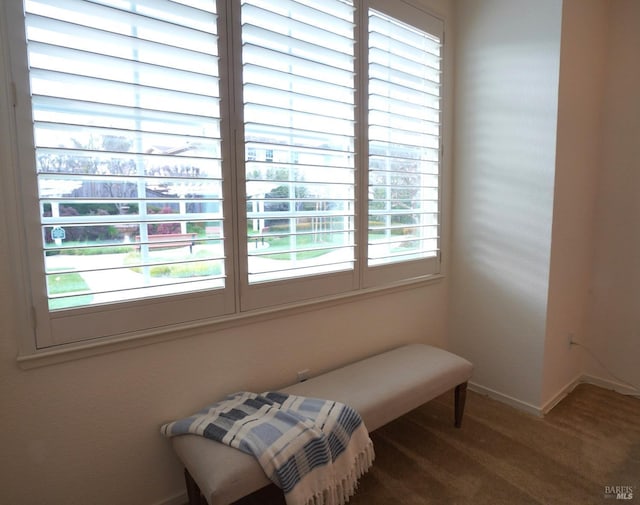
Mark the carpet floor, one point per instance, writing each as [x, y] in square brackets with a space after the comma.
[585, 451]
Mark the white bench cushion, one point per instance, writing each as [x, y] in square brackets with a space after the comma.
[380, 388]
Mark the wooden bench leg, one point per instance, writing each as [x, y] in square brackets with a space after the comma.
[193, 491]
[460, 398]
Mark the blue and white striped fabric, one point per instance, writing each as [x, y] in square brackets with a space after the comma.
[315, 450]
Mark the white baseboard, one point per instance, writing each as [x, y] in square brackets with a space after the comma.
[558, 397]
[609, 384]
[179, 499]
[562, 394]
[509, 400]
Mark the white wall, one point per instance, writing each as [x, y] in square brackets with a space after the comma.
[614, 322]
[578, 151]
[507, 64]
[85, 432]
[517, 292]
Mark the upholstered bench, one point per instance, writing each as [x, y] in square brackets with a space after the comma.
[381, 388]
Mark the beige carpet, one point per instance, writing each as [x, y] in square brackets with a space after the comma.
[577, 455]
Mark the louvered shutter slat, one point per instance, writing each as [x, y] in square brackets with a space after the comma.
[404, 142]
[299, 114]
[127, 131]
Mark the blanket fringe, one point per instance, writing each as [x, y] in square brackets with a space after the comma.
[347, 486]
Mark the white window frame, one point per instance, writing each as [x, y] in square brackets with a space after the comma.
[260, 295]
[387, 274]
[133, 320]
[59, 328]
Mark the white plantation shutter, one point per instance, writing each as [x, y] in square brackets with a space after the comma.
[126, 119]
[183, 160]
[299, 103]
[404, 144]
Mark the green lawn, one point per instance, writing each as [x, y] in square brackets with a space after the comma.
[185, 270]
[64, 284]
[277, 243]
[172, 268]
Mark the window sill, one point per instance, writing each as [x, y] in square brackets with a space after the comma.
[70, 352]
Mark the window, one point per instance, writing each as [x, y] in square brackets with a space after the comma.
[167, 195]
[125, 114]
[404, 141]
[298, 75]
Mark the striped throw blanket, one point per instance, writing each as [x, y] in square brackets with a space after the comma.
[315, 450]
